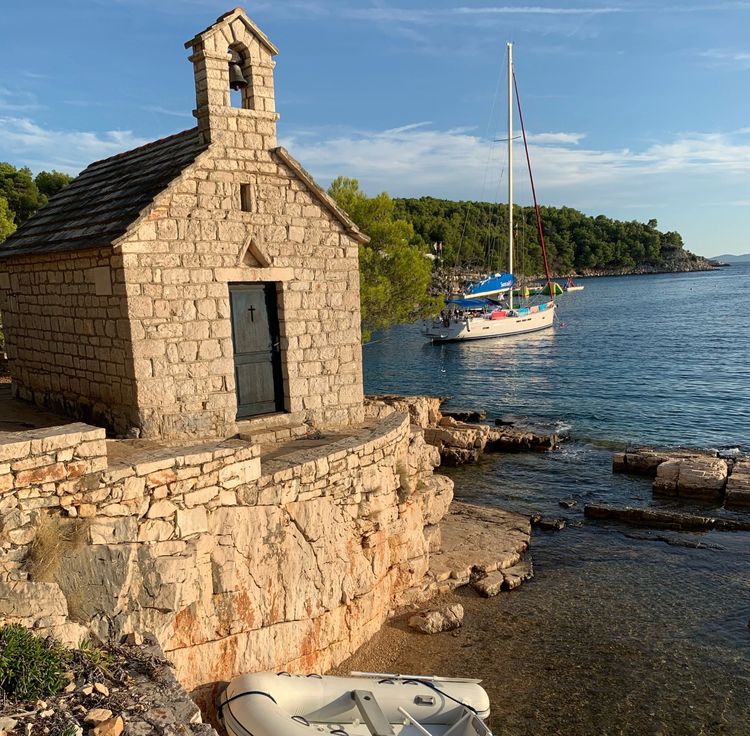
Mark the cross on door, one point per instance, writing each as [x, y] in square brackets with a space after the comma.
[252, 313]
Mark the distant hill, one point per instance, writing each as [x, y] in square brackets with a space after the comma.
[474, 234]
[731, 258]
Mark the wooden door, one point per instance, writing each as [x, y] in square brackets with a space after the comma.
[257, 357]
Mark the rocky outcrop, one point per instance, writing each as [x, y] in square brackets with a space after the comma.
[128, 689]
[692, 477]
[461, 442]
[476, 541]
[738, 485]
[689, 474]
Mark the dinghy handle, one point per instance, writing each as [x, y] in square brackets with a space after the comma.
[443, 693]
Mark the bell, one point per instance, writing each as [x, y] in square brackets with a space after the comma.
[236, 77]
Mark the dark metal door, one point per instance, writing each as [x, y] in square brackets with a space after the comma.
[257, 357]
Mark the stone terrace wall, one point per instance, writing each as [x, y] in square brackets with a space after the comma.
[292, 569]
[66, 334]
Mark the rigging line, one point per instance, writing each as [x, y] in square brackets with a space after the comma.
[533, 191]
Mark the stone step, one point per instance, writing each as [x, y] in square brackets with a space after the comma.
[274, 429]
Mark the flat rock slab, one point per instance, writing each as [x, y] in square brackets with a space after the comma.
[663, 519]
[509, 578]
[738, 485]
[694, 474]
[477, 539]
[692, 477]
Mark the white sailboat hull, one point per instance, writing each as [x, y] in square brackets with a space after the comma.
[482, 327]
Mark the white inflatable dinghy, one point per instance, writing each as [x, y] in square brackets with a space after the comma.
[365, 704]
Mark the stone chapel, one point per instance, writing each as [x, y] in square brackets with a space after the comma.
[194, 282]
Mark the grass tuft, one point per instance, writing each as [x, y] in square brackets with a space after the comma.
[55, 538]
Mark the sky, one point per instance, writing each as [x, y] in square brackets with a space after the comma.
[634, 109]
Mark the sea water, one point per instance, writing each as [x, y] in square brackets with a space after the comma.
[621, 631]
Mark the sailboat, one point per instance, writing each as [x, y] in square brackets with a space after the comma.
[572, 285]
[486, 311]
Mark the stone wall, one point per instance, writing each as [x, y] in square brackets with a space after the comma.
[179, 262]
[235, 566]
[67, 334]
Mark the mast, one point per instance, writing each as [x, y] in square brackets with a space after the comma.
[510, 167]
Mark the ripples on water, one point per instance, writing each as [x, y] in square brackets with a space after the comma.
[652, 359]
[620, 632]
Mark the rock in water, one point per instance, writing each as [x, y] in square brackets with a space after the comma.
[490, 585]
[568, 503]
[432, 622]
[465, 415]
[515, 575]
[553, 525]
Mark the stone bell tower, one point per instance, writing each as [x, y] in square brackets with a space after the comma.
[234, 50]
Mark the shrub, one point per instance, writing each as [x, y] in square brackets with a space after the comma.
[93, 661]
[30, 667]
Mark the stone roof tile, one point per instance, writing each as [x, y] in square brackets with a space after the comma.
[99, 205]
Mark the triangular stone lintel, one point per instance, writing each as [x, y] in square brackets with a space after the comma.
[253, 256]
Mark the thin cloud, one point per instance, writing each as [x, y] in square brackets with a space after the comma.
[416, 161]
[166, 111]
[23, 141]
[572, 138]
[18, 101]
[727, 59]
[534, 10]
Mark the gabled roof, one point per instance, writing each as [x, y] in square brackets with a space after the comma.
[322, 196]
[99, 205]
[226, 19]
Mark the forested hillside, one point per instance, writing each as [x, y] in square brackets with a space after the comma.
[476, 234]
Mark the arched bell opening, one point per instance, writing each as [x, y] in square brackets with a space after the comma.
[240, 78]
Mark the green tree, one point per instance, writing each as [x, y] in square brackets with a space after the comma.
[7, 226]
[49, 183]
[22, 194]
[395, 275]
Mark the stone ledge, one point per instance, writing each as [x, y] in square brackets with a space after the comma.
[476, 540]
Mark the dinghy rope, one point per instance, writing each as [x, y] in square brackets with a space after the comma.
[220, 709]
